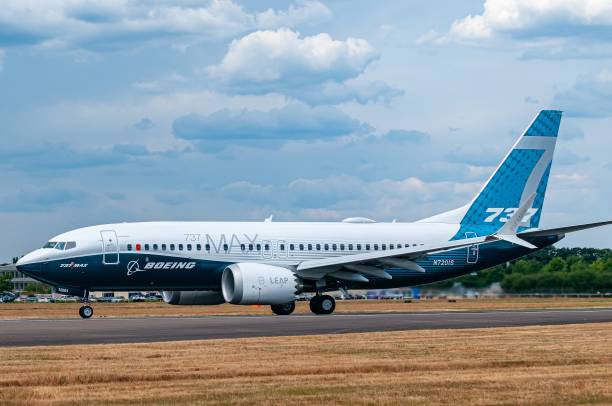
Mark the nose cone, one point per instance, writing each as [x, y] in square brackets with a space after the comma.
[31, 264]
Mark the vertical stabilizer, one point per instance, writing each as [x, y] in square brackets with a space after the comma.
[522, 173]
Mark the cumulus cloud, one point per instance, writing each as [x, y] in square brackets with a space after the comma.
[144, 124]
[292, 122]
[317, 69]
[590, 96]
[265, 57]
[104, 25]
[544, 18]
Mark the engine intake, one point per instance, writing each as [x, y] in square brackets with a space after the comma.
[252, 283]
[192, 297]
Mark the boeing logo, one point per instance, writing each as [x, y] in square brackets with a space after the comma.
[134, 266]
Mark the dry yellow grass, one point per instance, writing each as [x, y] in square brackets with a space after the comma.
[569, 364]
[70, 310]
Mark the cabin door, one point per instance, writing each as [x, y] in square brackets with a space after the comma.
[472, 250]
[110, 247]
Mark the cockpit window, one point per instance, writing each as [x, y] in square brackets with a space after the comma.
[60, 245]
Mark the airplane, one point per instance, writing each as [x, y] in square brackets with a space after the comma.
[271, 263]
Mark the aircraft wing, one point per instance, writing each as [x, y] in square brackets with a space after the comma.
[562, 230]
[353, 267]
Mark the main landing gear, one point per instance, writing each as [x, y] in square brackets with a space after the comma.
[283, 309]
[322, 304]
[86, 311]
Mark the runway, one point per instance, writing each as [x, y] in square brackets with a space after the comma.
[26, 332]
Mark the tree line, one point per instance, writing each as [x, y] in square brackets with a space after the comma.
[550, 270]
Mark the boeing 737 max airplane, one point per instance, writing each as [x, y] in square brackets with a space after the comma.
[269, 263]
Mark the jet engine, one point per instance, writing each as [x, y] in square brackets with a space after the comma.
[248, 283]
[192, 297]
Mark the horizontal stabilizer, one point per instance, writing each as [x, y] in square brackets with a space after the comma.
[563, 230]
[516, 240]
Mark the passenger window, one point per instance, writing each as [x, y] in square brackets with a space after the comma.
[301, 247]
[309, 247]
[341, 247]
[358, 247]
[367, 247]
[146, 247]
[258, 247]
[242, 247]
[267, 247]
[384, 247]
[326, 247]
[137, 247]
[180, 247]
[188, 247]
[350, 246]
[155, 247]
[334, 247]
[291, 247]
[250, 247]
[391, 246]
[282, 247]
[163, 247]
[318, 247]
[129, 247]
[225, 247]
[171, 247]
[199, 247]
[375, 247]
[207, 247]
[70, 245]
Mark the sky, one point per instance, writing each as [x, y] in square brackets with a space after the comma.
[133, 110]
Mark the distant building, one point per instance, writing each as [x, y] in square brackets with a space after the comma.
[19, 280]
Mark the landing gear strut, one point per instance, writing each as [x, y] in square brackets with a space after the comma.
[283, 309]
[86, 311]
[322, 304]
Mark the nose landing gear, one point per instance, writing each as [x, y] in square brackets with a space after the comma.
[86, 311]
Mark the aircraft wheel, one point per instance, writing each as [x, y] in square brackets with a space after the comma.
[327, 304]
[283, 309]
[86, 312]
[314, 304]
[324, 304]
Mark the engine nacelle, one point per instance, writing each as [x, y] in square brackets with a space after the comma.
[252, 283]
[192, 297]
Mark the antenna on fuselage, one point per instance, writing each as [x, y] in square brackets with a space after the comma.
[269, 219]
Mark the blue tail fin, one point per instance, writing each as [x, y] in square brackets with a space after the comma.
[523, 172]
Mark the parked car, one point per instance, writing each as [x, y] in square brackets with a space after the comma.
[153, 298]
[7, 297]
[117, 299]
[31, 299]
[137, 298]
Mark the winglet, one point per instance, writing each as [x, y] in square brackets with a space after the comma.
[508, 231]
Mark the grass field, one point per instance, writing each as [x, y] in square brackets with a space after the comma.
[70, 310]
[569, 364]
